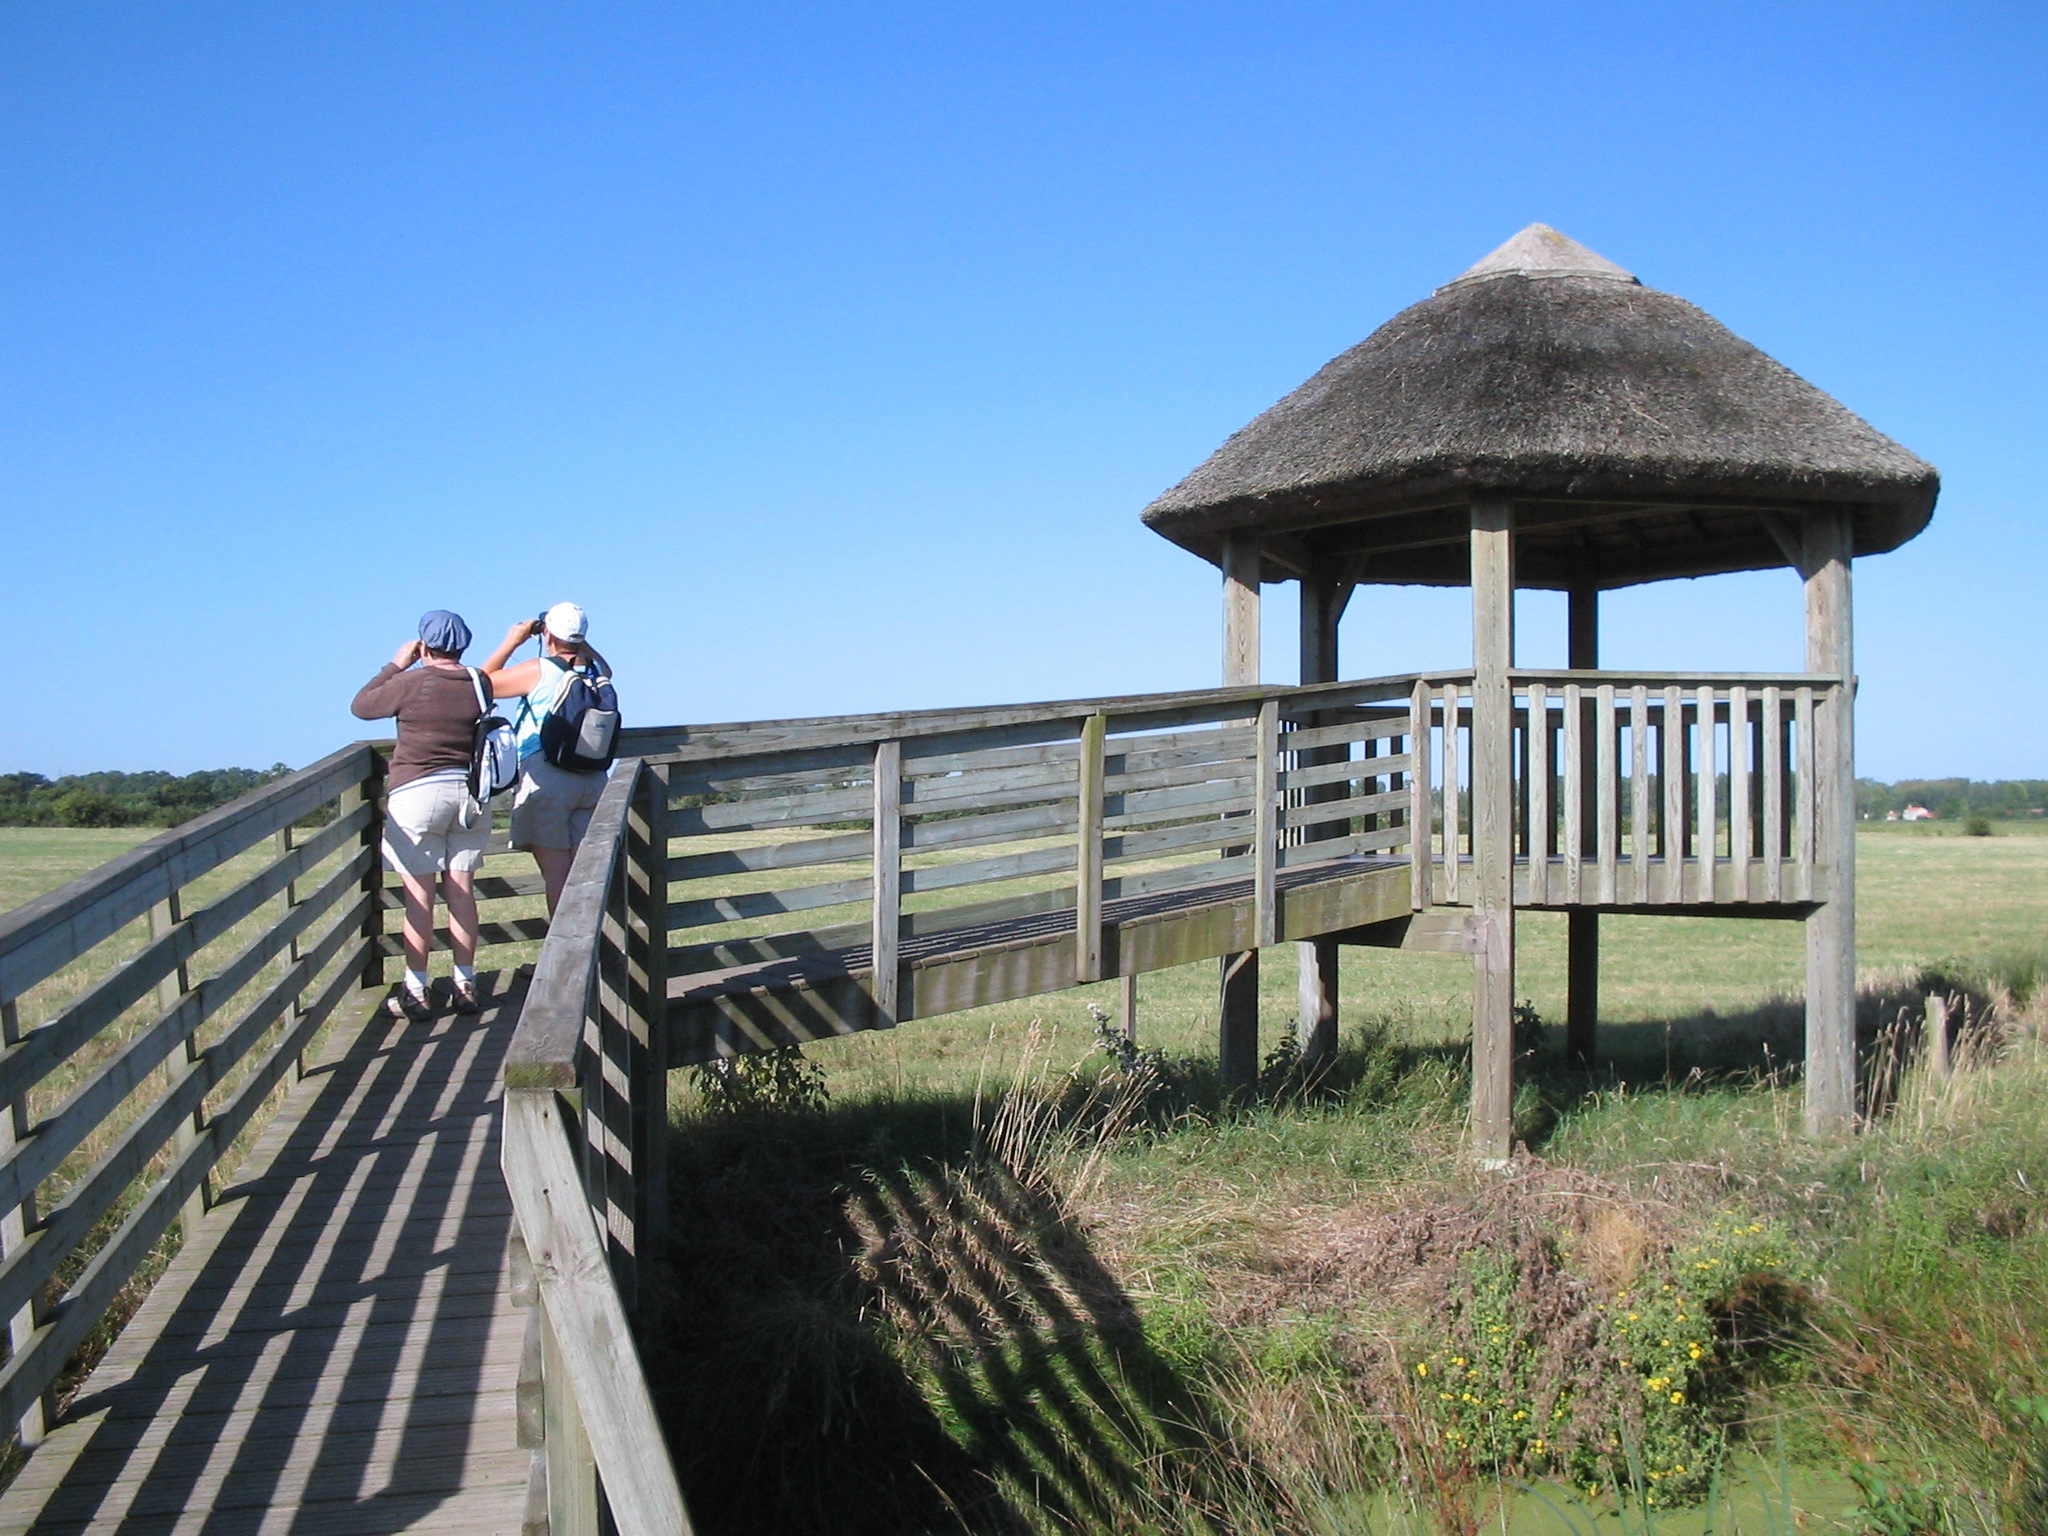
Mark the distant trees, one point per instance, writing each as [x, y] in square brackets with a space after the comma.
[152, 799]
[1954, 799]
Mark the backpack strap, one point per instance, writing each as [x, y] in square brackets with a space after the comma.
[476, 681]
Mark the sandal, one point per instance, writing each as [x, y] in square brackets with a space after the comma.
[407, 1004]
[462, 997]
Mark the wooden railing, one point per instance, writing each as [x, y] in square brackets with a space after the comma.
[171, 990]
[875, 833]
[1644, 789]
[584, 1115]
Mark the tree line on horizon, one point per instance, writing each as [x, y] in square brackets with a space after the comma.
[1954, 799]
[149, 799]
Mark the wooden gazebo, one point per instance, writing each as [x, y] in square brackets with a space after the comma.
[1544, 420]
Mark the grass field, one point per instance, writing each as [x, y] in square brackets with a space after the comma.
[998, 1284]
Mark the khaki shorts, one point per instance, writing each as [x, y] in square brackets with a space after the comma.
[551, 807]
[423, 830]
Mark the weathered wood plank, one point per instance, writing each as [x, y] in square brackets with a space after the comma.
[1640, 809]
[886, 887]
[1394, 765]
[544, 1049]
[1266, 826]
[791, 853]
[596, 1348]
[1706, 773]
[1088, 852]
[1340, 810]
[1419, 862]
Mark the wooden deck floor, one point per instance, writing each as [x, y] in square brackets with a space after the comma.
[333, 1354]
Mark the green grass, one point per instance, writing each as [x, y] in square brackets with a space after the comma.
[968, 1296]
[904, 1317]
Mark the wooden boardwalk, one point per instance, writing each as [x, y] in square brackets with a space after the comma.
[333, 1354]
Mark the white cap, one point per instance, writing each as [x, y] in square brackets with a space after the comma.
[567, 621]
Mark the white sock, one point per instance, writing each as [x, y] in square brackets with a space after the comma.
[466, 973]
[416, 982]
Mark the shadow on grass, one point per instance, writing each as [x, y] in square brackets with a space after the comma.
[1763, 1044]
[872, 1327]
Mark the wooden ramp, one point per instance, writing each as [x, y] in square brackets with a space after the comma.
[334, 1351]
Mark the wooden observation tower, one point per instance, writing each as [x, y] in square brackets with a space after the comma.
[1544, 420]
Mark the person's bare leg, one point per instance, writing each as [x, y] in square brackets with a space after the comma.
[458, 889]
[419, 919]
[554, 871]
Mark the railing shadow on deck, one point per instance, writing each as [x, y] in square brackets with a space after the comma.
[331, 1235]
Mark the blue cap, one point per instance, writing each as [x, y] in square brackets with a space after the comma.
[444, 631]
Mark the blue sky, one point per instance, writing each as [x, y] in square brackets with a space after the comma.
[827, 353]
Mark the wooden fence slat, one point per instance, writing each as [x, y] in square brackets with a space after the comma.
[1808, 844]
[1390, 766]
[742, 906]
[1207, 833]
[1706, 773]
[1088, 853]
[1774, 794]
[801, 853]
[1672, 738]
[1383, 728]
[886, 887]
[1573, 844]
[1453, 773]
[1739, 828]
[1420, 871]
[1341, 810]
[1639, 807]
[1006, 866]
[1606, 792]
[1537, 789]
[1265, 829]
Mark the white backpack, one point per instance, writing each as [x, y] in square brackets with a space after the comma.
[494, 761]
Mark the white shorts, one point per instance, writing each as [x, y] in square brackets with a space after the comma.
[424, 832]
[551, 807]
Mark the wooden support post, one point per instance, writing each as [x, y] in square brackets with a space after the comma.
[374, 975]
[1323, 600]
[888, 878]
[1266, 827]
[571, 1466]
[1831, 929]
[163, 917]
[648, 894]
[1088, 854]
[1237, 1045]
[1128, 987]
[15, 1225]
[1582, 928]
[1493, 869]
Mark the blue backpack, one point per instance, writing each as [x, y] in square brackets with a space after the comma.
[579, 734]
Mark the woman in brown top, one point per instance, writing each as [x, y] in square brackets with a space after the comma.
[433, 826]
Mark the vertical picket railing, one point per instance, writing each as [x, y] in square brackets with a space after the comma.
[1661, 790]
[585, 1115]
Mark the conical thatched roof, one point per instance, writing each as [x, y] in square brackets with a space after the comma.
[1638, 436]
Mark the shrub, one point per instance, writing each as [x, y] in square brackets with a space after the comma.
[1977, 826]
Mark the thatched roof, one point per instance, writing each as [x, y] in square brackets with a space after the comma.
[1638, 436]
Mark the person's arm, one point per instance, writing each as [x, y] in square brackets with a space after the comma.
[515, 637]
[515, 682]
[378, 699]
